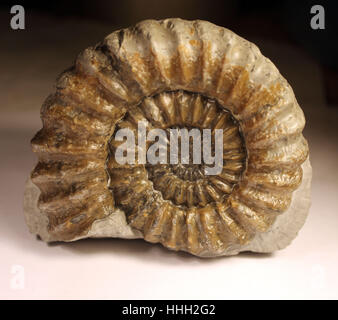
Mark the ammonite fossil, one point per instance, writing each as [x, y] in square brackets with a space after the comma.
[172, 76]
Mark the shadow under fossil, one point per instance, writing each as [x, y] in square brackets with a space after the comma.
[142, 250]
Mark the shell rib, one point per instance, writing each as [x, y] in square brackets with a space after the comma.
[170, 74]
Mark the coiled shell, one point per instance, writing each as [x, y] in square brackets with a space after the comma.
[170, 73]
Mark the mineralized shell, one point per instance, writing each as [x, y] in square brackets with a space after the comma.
[172, 74]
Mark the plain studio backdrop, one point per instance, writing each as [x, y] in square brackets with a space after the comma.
[54, 34]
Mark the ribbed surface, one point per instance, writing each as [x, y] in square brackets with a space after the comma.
[171, 72]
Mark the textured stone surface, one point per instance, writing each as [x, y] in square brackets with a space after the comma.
[113, 226]
[279, 236]
[166, 73]
[287, 225]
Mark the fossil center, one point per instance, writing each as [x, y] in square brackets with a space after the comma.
[190, 150]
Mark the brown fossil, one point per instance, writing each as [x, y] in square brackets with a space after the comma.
[170, 74]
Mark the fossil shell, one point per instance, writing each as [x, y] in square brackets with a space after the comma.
[171, 73]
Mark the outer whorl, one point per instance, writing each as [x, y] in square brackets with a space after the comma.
[172, 74]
